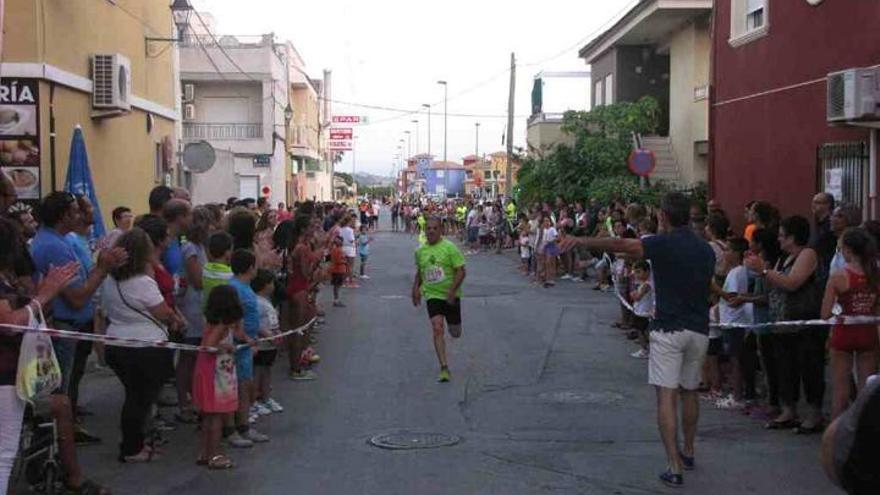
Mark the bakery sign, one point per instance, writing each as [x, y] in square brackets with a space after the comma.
[19, 135]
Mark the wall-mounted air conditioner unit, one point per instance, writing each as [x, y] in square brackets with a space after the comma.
[189, 92]
[189, 112]
[111, 81]
[854, 95]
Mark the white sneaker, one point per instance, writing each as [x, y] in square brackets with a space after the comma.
[239, 442]
[260, 409]
[252, 419]
[640, 354]
[565, 277]
[257, 437]
[365, 277]
[273, 405]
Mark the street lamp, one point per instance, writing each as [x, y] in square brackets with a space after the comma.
[181, 12]
[428, 106]
[416, 122]
[408, 142]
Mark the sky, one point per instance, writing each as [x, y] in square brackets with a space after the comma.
[391, 53]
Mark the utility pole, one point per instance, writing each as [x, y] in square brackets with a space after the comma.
[508, 177]
[429, 126]
[477, 145]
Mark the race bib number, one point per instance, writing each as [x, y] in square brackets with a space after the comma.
[434, 274]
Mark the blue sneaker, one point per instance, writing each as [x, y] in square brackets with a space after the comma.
[686, 462]
[671, 479]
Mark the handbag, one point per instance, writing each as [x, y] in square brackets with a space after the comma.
[39, 373]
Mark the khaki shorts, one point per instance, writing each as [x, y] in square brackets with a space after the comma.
[676, 359]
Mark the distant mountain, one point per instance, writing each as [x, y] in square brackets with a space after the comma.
[366, 179]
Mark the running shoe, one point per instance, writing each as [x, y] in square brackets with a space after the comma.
[260, 409]
[273, 405]
[314, 358]
[256, 437]
[444, 376]
[640, 354]
[365, 277]
[252, 418]
[239, 442]
[565, 277]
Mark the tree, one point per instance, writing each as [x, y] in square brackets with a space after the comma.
[595, 165]
[346, 177]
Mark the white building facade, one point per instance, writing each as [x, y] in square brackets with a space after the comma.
[235, 92]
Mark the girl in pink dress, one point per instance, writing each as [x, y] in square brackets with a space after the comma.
[215, 386]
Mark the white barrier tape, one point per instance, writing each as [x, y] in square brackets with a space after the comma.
[836, 320]
[131, 342]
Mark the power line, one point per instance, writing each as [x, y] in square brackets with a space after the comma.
[596, 32]
[408, 111]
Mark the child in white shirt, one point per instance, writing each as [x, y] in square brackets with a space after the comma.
[264, 285]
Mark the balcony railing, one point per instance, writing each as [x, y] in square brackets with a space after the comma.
[230, 132]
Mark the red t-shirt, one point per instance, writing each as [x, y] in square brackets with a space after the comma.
[337, 257]
[165, 281]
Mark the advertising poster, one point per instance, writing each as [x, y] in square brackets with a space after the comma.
[19, 135]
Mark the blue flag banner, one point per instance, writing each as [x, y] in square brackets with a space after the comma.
[79, 181]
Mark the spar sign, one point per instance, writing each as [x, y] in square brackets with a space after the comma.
[349, 119]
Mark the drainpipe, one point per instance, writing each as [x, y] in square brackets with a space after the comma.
[872, 173]
[713, 54]
[52, 135]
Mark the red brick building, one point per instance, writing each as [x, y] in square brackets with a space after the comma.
[769, 137]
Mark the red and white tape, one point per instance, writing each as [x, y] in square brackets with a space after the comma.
[131, 342]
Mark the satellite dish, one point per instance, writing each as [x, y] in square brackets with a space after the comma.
[198, 156]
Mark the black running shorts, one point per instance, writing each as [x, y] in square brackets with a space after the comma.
[439, 307]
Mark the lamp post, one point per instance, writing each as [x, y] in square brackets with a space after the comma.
[416, 122]
[428, 106]
[408, 143]
[181, 11]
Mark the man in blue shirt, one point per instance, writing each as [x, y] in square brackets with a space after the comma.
[177, 213]
[683, 265]
[72, 310]
[244, 269]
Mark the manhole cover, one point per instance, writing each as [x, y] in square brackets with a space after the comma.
[581, 397]
[408, 440]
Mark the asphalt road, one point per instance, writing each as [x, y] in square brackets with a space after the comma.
[544, 397]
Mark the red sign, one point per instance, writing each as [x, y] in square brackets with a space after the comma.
[339, 145]
[267, 191]
[346, 119]
[642, 162]
[341, 134]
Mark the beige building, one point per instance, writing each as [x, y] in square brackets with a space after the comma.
[544, 130]
[90, 64]
[661, 48]
[486, 176]
[311, 169]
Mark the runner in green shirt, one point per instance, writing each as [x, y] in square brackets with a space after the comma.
[440, 272]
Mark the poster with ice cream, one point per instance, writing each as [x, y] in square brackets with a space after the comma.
[19, 135]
